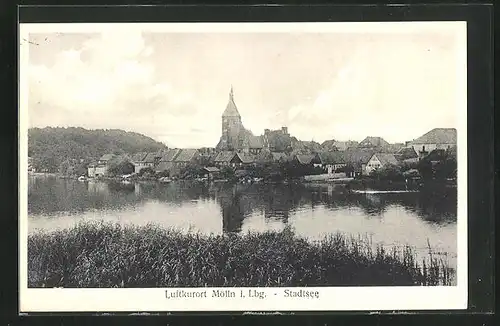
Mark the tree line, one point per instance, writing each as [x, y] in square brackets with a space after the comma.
[53, 149]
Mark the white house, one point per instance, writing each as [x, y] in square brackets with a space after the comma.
[437, 138]
[379, 160]
[96, 170]
[101, 167]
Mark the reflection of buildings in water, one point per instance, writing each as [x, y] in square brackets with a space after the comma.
[436, 207]
[232, 213]
[137, 189]
[98, 187]
[121, 187]
[372, 204]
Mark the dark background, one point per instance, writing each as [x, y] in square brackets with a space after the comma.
[480, 128]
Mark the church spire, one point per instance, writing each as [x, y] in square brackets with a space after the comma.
[231, 110]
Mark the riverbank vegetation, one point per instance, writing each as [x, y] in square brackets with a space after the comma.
[110, 255]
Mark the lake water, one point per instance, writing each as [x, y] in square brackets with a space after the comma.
[412, 218]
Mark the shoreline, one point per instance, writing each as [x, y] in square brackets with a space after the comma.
[356, 183]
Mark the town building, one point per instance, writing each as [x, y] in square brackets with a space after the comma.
[437, 138]
[235, 137]
[330, 161]
[378, 161]
[211, 172]
[304, 159]
[30, 165]
[376, 143]
[356, 160]
[138, 160]
[407, 155]
[100, 168]
[166, 162]
[174, 160]
[335, 145]
[225, 158]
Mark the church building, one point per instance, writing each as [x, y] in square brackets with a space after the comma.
[236, 138]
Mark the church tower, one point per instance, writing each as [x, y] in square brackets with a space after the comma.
[231, 125]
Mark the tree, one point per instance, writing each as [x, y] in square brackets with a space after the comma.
[65, 168]
[445, 169]
[388, 172]
[146, 171]
[120, 166]
[425, 169]
[162, 174]
[191, 171]
[227, 172]
[50, 147]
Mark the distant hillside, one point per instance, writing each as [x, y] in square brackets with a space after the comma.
[49, 147]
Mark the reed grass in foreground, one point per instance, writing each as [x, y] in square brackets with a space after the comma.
[110, 255]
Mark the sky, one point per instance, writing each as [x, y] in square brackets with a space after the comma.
[173, 87]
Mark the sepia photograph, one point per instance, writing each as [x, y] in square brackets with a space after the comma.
[252, 161]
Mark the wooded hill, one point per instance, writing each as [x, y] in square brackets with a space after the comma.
[49, 147]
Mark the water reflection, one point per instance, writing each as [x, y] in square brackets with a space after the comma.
[51, 195]
[313, 210]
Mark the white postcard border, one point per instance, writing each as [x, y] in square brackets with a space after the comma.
[331, 298]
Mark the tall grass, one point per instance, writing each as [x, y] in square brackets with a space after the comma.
[110, 255]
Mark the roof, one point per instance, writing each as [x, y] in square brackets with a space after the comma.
[246, 158]
[305, 159]
[138, 157]
[438, 136]
[255, 141]
[186, 155]
[373, 141]
[278, 156]
[358, 156]
[211, 169]
[106, 157]
[406, 153]
[438, 155]
[149, 158]
[169, 155]
[264, 156]
[329, 145]
[160, 152]
[224, 156]
[386, 158]
[394, 148]
[331, 157]
[277, 140]
[231, 109]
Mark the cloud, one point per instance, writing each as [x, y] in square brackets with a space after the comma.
[321, 86]
[382, 90]
[107, 82]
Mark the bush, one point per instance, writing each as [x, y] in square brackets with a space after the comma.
[226, 172]
[163, 174]
[120, 167]
[110, 255]
[147, 171]
[390, 172]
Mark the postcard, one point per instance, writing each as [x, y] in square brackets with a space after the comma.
[243, 166]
